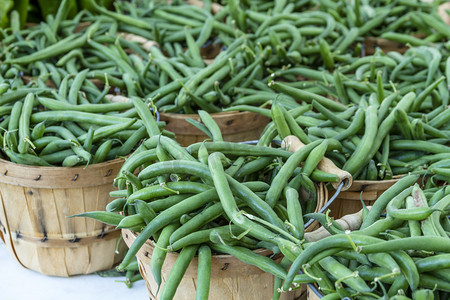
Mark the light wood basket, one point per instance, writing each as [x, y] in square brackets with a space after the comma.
[348, 202]
[35, 203]
[235, 126]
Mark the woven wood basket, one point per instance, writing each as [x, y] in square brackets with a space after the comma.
[235, 126]
[34, 205]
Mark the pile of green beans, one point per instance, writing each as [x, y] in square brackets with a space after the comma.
[221, 196]
[139, 62]
[403, 255]
[395, 121]
[164, 57]
[400, 21]
[40, 127]
[300, 63]
[372, 141]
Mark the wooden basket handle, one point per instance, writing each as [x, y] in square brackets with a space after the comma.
[293, 144]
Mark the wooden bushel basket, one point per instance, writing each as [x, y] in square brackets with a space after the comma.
[34, 205]
[230, 277]
[235, 126]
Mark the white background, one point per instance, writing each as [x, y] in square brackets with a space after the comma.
[18, 283]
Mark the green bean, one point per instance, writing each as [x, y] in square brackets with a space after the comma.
[440, 119]
[240, 149]
[211, 125]
[294, 211]
[199, 220]
[419, 145]
[421, 97]
[55, 146]
[26, 159]
[403, 38]
[75, 87]
[294, 127]
[89, 108]
[155, 191]
[361, 155]
[107, 131]
[116, 205]
[254, 202]
[279, 120]
[431, 263]
[354, 127]
[80, 117]
[204, 272]
[72, 160]
[383, 200]
[102, 152]
[385, 126]
[247, 256]
[307, 96]
[177, 272]
[24, 124]
[423, 243]
[337, 270]
[286, 171]
[66, 134]
[158, 256]
[109, 218]
[253, 166]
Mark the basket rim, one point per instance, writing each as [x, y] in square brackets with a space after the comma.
[91, 166]
[59, 177]
[216, 114]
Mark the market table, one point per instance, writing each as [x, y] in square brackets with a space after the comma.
[18, 283]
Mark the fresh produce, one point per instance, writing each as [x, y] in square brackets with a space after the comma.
[369, 146]
[17, 13]
[403, 253]
[43, 129]
[205, 186]
[85, 84]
